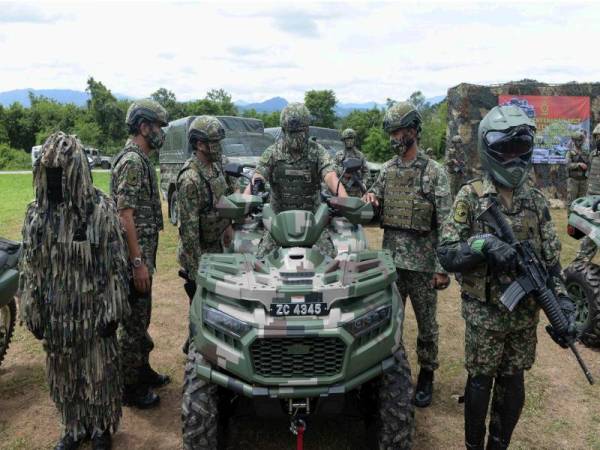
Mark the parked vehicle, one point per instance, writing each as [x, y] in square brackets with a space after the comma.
[9, 283]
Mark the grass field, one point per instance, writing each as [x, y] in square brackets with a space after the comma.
[561, 412]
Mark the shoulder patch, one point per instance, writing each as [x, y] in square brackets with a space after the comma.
[461, 211]
[132, 178]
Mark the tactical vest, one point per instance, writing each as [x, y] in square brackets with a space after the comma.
[148, 208]
[211, 225]
[578, 173]
[526, 225]
[295, 185]
[594, 174]
[407, 200]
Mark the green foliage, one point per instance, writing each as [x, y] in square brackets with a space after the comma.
[269, 119]
[223, 102]
[13, 159]
[376, 146]
[108, 113]
[168, 100]
[417, 99]
[434, 128]
[321, 105]
[362, 122]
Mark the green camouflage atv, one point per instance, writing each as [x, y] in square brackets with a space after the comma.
[582, 275]
[9, 282]
[298, 332]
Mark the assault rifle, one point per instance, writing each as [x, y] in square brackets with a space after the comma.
[532, 280]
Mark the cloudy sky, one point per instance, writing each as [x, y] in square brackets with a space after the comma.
[257, 50]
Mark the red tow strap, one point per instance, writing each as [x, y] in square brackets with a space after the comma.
[300, 437]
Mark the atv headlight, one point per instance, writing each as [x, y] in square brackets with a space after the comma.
[367, 322]
[224, 322]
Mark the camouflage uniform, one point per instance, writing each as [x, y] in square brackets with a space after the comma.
[499, 342]
[199, 188]
[295, 177]
[415, 200]
[352, 188]
[133, 185]
[74, 288]
[577, 177]
[455, 165]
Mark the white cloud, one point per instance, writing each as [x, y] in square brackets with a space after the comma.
[363, 51]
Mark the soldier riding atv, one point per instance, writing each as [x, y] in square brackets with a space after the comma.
[298, 330]
[9, 282]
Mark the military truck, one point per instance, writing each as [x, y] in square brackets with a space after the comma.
[96, 159]
[330, 139]
[582, 276]
[297, 332]
[244, 142]
[9, 282]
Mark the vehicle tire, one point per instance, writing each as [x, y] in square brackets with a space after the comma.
[105, 165]
[583, 284]
[389, 408]
[173, 208]
[8, 314]
[199, 408]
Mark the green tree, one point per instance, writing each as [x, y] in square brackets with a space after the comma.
[321, 105]
[362, 122]
[376, 146]
[168, 100]
[107, 112]
[417, 99]
[269, 119]
[222, 99]
[433, 132]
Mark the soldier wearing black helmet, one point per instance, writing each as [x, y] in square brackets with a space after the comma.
[200, 184]
[134, 188]
[499, 344]
[415, 196]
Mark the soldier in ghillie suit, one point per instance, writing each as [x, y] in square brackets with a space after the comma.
[74, 291]
[134, 188]
[415, 197]
[588, 249]
[499, 344]
[200, 184]
[295, 167]
[351, 182]
[577, 165]
[455, 165]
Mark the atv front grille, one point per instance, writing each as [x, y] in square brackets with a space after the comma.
[305, 357]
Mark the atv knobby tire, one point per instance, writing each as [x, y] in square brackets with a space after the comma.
[390, 411]
[8, 314]
[583, 284]
[199, 408]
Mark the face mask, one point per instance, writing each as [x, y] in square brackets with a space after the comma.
[400, 146]
[54, 185]
[156, 139]
[214, 151]
[295, 141]
[349, 143]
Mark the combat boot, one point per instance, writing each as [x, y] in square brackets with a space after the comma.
[102, 441]
[67, 442]
[140, 396]
[424, 391]
[152, 378]
[496, 443]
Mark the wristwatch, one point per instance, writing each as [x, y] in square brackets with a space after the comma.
[137, 262]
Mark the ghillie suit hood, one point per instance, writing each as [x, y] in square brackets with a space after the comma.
[73, 284]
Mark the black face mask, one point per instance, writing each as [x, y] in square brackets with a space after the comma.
[54, 184]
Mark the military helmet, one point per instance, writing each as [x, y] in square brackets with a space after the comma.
[147, 109]
[295, 117]
[577, 136]
[596, 131]
[348, 133]
[456, 139]
[401, 115]
[205, 129]
[505, 143]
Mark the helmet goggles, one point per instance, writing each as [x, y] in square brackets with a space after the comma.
[514, 143]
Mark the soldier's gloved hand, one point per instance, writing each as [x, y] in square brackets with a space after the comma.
[38, 332]
[568, 309]
[108, 329]
[498, 253]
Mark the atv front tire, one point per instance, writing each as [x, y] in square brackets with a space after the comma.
[199, 408]
[583, 284]
[8, 314]
[390, 411]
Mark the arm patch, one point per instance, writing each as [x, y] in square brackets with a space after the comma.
[461, 211]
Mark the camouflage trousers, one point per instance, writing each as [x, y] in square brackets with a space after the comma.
[423, 298]
[575, 189]
[135, 343]
[323, 245]
[498, 353]
[455, 179]
[587, 250]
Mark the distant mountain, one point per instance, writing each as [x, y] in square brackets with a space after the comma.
[435, 100]
[78, 98]
[268, 106]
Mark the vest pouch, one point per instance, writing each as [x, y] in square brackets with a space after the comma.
[422, 212]
[474, 283]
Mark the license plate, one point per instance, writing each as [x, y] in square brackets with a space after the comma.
[299, 309]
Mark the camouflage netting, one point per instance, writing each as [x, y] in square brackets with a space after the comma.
[468, 103]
